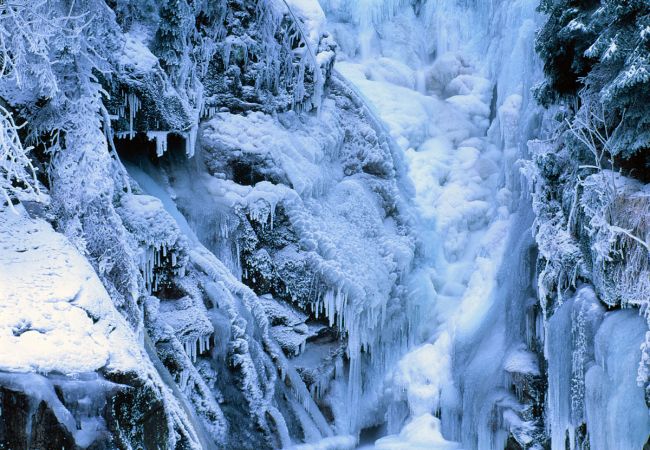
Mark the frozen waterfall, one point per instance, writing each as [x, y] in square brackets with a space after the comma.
[445, 87]
[325, 224]
[452, 80]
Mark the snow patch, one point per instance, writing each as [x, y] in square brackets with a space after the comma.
[55, 315]
[422, 433]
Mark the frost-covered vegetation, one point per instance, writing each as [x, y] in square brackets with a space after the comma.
[591, 199]
[245, 213]
[277, 223]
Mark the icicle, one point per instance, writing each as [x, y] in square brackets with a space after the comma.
[123, 135]
[195, 346]
[190, 348]
[190, 141]
[204, 344]
[147, 265]
[134, 106]
[208, 112]
[226, 52]
[184, 379]
[161, 141]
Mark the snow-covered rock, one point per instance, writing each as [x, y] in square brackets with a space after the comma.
[55, 314]
[67, 351]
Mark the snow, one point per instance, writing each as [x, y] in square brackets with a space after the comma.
[460, 143]
[298, 153]
[288, 326]
[156, 233]
[522, 361]
[422, 433]
[148, 220]
[315, 50]
[188, 319]
[313, 18]
[55, 315]
[135, 55]
[334, 218]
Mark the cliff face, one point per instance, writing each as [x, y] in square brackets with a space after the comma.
[243, 219]
[590, 197]
[213, 237]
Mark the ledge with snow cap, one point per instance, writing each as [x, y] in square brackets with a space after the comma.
[55, 315]
[162, 248]
[68, 359]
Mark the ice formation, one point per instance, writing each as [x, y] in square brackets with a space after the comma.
[314, 225]
[463, 118]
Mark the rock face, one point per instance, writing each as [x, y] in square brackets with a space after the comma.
[591, 202]
[224, 234]
[218, 243]
[73, 372]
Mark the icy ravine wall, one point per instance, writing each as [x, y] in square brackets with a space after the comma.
[484, 369]
[265, 222]
[591, 203]
[251, 222]
[296, 210]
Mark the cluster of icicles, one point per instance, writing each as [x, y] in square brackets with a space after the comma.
[133, 103]
[152, 259]
[192, 344]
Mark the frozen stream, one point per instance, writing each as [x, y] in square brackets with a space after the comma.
[452, 81]
[452, 84]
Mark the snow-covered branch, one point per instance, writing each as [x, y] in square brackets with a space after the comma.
[16, 169]
[589, 126]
